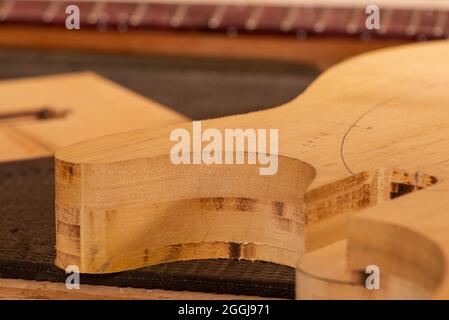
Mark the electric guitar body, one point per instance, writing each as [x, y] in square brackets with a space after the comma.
[361, 179]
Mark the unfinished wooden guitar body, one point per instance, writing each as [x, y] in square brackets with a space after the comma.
[369, 130]
[41, 115]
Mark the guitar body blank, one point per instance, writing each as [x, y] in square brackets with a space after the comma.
[368, 131]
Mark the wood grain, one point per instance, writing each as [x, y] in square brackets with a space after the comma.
[86, 106]
[103, 108]
[373, 129]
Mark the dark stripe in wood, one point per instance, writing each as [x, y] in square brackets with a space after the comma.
[69, 230]
[234, 250]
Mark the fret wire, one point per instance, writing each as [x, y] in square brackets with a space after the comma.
[179, 15]
[413, 24]
[6, 9]
[320, 25]
[393, 21]
[217, 16]
[50, 12]
[354, 22]
[287, 23]
[253, 20]
[93, 16]
[137, 15]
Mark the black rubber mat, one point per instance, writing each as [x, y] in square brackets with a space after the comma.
[27, 242]
[197, 88]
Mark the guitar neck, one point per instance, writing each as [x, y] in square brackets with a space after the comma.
[336, 17]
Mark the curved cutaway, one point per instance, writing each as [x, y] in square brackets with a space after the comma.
[154, 212]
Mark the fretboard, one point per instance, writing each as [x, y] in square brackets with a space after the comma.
[290, 19]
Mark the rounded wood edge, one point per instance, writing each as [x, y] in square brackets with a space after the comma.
[149, 211]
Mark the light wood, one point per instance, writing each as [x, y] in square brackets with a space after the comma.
[28, 289]
[85, 104]
[381, 115]
[323, 274]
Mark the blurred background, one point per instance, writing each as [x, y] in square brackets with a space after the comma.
[207, 58]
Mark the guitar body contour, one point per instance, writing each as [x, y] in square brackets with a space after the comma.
[368, 131]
